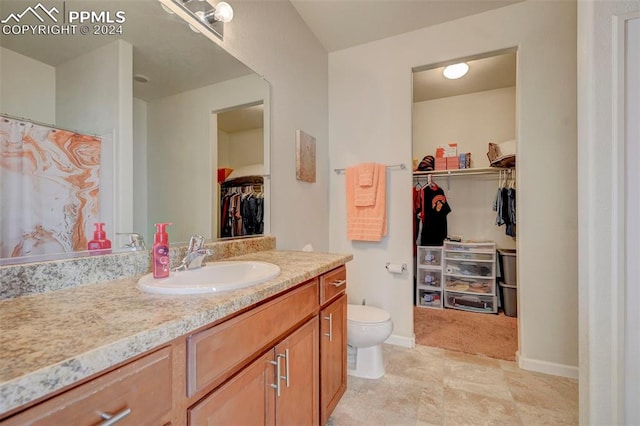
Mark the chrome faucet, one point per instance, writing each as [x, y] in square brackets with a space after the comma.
[195, 254]
[136, 241]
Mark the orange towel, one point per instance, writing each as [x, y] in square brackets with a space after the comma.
[367, 184]
[365, 174]
[367, 223]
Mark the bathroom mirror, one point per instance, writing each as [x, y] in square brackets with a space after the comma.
[151, 88]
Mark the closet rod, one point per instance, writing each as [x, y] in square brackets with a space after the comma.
[53, 126]
[401, 165]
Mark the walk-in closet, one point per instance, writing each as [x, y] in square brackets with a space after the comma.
[464, 205]
[241, 176]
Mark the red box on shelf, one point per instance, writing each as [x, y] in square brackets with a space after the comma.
[453, 163]
[441, 163]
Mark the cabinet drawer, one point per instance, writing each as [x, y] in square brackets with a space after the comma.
[332, 284]
[430, 277]
[215, 354]
[467, 302]
[143, 386]
[488, 248]
[429, 256]
[465, 255]
[470, 269]
[470, 285]
[429, 298]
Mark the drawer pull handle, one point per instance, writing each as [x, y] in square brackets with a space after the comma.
[330, 333]
[286, 366]
[276, 386]
[111, 419]
[338, 283]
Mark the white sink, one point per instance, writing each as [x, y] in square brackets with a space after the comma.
[215, 277]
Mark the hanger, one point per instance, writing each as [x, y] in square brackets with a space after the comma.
[512, 182]
[431, 183]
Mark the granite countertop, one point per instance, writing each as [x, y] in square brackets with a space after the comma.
[52, 340]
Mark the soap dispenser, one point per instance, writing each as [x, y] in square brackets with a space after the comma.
[160, 251]
[100, 241]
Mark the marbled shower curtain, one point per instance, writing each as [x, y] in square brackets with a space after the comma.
[49, 187]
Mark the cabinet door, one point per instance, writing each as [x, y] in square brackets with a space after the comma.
[246, 399]
[333, 356]
[297, 356]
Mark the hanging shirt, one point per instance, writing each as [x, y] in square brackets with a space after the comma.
[434, 216]
[417, 214]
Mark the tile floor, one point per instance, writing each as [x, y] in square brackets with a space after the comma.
[431, 386]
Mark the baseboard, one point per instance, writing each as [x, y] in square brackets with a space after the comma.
[547, 367]
[404, 341]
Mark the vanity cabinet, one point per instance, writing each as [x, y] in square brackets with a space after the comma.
[279, 362]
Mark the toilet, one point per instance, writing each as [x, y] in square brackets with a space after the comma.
[367, 328]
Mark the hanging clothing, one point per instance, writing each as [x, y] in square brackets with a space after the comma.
[505, 207]
[511, 212]
[417, 215]
[241, 209]
[435, 209]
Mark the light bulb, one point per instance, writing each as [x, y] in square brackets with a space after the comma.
[455, 71]
[224, 11]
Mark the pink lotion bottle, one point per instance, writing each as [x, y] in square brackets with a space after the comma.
[100, 241]
[160, 251]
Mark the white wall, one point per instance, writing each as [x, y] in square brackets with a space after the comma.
[375, 125]
[104, 109]
[27, 87]
[632, 320]
[223, 149]
[172, 122]
[602, 186]
[472, 121]
[272, 39]
[245, 148]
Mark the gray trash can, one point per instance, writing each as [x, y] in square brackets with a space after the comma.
[508, 259]
[509, 284]
[509, 299]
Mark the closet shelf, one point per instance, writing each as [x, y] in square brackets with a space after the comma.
[463, 172]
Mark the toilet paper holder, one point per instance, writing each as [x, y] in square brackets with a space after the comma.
[396, 268]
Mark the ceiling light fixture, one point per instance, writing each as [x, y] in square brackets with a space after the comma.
[212, 15]
[455, 71]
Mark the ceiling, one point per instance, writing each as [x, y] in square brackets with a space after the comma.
[241, 119]
[487, 73]
[339, 24]
[159, 41]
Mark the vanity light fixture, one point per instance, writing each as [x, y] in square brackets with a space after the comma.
[211, 14]
[455, 71]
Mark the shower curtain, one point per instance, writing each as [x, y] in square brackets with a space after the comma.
[49, 188]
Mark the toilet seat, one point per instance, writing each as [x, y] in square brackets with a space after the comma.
[366, 314]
